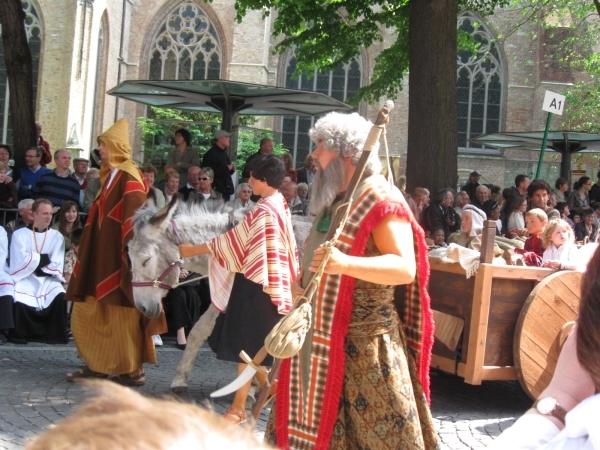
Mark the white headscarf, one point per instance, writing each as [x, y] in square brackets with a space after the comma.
[477, 218]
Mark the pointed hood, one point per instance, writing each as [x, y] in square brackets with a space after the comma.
[116, 140]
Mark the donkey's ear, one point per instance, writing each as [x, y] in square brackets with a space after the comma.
[162, 218]
[150, 199]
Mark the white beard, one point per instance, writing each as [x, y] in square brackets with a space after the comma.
[327, 184]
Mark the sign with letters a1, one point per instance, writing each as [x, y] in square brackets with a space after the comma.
[554, 103]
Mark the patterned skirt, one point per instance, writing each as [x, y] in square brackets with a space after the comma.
[381, 407]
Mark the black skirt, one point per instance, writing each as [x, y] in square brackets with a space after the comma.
[249, 317]
[48, 325]
[6, 312]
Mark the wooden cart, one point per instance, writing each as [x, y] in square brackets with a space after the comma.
[504, 323]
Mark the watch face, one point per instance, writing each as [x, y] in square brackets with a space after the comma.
[546, 405]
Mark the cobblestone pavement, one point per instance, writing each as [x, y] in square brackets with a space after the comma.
[34, 394]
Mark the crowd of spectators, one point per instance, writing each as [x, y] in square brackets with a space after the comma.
[522, 212]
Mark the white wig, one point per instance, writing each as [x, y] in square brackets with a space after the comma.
[346, 134]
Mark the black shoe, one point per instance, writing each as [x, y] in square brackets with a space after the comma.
[181, 346]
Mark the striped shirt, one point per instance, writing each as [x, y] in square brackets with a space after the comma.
[57, 189]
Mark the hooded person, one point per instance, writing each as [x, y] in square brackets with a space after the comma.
[111, 335]
[471, 224]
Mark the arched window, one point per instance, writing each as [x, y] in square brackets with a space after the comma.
[33, 28]
[479, 84]
[341, 83]
[186, 46]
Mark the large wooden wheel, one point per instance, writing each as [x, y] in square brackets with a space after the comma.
[544, 322]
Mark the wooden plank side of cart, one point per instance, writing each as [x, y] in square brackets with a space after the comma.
[489, 303]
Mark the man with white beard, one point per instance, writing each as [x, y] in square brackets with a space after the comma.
[361, 377]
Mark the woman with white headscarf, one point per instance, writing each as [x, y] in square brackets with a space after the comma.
[471, 226]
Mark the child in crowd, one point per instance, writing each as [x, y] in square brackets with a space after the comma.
[71, 254]
[439, 238]
[561, 251]
[535, 221]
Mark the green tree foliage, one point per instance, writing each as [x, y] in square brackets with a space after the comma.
[581, 20]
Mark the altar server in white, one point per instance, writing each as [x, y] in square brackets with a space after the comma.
[36, 265]
[7, 289]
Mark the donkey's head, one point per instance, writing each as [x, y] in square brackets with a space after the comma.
[153, 248]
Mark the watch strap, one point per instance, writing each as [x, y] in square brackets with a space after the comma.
[558, 412]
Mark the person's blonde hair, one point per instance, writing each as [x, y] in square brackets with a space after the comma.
[539, 213]
[119, 418]
[549, 230]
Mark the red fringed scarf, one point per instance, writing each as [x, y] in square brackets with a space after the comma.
[308, 422]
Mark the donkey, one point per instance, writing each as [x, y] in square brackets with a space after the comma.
[154, 256]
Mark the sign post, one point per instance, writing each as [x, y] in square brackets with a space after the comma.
[553, 104]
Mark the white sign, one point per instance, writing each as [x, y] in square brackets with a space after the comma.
[554, 103]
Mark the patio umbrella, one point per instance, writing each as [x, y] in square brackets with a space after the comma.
[564, 142]
[227, 97]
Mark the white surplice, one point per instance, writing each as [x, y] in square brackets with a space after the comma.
[30, 289]
[7, 287]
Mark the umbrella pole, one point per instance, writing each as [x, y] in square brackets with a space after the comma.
[539, 166]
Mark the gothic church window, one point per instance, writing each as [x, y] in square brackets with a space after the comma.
[33, 28]
[186, 46]
[480, 85]
[341, 83]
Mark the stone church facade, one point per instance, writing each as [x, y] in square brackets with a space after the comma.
[83, 48]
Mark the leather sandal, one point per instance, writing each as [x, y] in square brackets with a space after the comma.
[128, 380]
[236, 417]
[85, 372]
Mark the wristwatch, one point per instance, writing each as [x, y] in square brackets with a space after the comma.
[548, 406]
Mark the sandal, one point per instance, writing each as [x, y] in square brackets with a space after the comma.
[127, 380]
[85, 372]
[236, 417]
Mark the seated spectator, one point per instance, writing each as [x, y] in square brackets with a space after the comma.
[516, 217]
[7, 289]
[68, 220]
[26, 218]
[92, 188]
[471, 227]
[470, 186]
[289, 169]
[71, 254]
[80, 169]
[418, 201]
[184, 306]
[242, 197]
[492, 210]
[303, 191]
[586, 230]
[563, 209]
[518, 190]
[161, 184]
[561, 186]
[36, 262]
[596, 209]
[594, 193]
[5, 157]
[58, 186]
[297, 205]
[401, 185]
[579, 199]
[439, 238]
[8, 191]
[565, 415]
[533, 251]
[31, 173]
[171, 182]
[205, 191]
[183, 156]
[192, 183]
[482, 195]
[150, 172]
[559, 241]
[440, 214]
[539, 192]
[462, 200]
